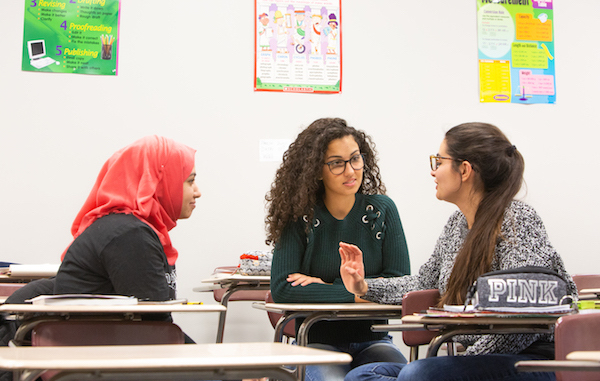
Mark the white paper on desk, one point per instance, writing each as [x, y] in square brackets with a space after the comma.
[83, 300]
[459, 308]
[33, 270]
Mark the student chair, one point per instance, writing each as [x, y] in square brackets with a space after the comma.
[6, 289]
[289, 331]
[586, 281]
[418, 301]
[81, 333]
[579, 332]
[248, 295]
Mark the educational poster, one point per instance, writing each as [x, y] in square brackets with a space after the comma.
[71, 36]
[516, 51]
[298, 46]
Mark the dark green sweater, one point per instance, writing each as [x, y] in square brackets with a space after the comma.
[374, 225]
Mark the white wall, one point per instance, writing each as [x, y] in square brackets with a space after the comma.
[409, 74]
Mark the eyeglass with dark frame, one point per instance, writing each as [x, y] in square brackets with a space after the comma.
[338, 166]
[434, 161]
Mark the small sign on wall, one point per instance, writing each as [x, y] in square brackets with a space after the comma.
[273, 149]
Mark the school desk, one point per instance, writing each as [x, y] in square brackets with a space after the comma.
[233, 283]
[313, 313]
[316, 312]
[476, 324]
[576, 361]
[175, 362]
[33, 314]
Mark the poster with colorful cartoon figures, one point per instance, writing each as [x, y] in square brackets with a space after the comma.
[298, 46]
[516, 51]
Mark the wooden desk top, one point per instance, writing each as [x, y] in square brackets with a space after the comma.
[106, 309]
[175, 357]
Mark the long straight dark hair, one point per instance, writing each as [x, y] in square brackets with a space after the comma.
[499, 168]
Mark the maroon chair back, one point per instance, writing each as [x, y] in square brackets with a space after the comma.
[579, 332]
[250, 295]
[6, 289]
[62, 333]
[290, 329]
[585, 281]
[417, 301]
[80, 333]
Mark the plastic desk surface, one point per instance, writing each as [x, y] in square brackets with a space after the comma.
[576, 361]
[589, 291]
[228, 278]
[171, 359]
[481, 320]
[315, 307]
[107, 309]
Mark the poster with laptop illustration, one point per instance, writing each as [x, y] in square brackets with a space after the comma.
[298, 46]
[71, 36]
[515, 40]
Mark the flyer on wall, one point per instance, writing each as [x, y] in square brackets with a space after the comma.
[515, 40]
[71, 36]
[298, 46]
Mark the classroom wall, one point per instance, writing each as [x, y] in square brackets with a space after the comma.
[409, 74]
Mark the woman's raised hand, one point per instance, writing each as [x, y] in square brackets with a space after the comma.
[352, 269]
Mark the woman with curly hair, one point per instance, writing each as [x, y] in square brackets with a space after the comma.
[327, 190]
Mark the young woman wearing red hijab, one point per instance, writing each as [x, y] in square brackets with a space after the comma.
[121, 234]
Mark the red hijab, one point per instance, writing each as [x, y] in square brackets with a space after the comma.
[144, 179]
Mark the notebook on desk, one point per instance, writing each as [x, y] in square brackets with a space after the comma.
[83, 300]
[41, 270]
[37, 54]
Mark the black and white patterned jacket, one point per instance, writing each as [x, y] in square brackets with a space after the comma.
[524, 243]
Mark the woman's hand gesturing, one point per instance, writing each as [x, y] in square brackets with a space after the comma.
[352, 269]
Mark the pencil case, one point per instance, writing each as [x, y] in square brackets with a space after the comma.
[256, 262]
[525, 289]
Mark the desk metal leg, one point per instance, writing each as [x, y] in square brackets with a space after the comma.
[302, 336]
[309, 322]
[223, 314]
[282, 322]
[225, 301]
[27, 375]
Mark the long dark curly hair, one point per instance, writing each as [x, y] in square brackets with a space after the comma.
[298, 182]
